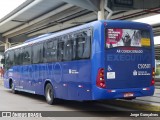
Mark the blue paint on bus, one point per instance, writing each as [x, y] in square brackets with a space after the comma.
[76, 79]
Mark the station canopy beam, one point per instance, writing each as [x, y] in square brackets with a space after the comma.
[93, 5]
[132, 4]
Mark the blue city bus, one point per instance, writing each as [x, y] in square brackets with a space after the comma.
[95, 61]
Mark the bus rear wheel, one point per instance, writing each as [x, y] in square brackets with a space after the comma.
[49, 94]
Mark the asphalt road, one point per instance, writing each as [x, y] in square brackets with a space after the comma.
[29, 102]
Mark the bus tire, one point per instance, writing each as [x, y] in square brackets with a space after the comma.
[49, 94]
[13, 88]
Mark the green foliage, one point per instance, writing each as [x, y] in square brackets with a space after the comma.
[157, 72]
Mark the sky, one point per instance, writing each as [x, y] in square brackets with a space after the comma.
[6, 6]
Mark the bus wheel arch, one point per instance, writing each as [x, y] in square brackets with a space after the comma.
[12, 86]
[49, 93]
[46, 82]
[10, 83]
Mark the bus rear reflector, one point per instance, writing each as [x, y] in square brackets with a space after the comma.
[146, 88]
[153, 76]
[152, 82]
[100, 82]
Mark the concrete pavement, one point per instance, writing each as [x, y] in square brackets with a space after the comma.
[28, 102]
[150, 103]
[1, 81]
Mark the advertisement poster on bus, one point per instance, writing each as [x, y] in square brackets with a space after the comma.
[127, 37]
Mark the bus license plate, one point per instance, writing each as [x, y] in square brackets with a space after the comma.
[128, 95]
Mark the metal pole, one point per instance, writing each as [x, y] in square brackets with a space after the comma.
[101, 12]
[110, 12]
[7, 44]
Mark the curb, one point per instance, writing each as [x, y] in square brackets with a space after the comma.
[133, 105]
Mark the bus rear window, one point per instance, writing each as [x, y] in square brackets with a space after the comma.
[127, 37]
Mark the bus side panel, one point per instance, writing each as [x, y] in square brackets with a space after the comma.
[6, 80]
[9, 74]
[24, 79]
[97, 53]
[79, 78]
[43, 76]
[30, 78]
[16, 75]
[72, 80]
[35, 84]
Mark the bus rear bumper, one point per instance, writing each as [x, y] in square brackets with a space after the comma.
[102, 94]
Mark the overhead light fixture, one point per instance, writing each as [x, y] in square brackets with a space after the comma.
[157, 40]
[124, 2]
[152, 20]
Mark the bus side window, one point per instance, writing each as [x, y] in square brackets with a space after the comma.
[50, 51]
[79, 46]
[27, 55]
[9, 59]
[45, 53]
[37, 53]
[74, 46]
[87, 46]
[16, 56]
[53, 51]
[20, 57]
[47, 46]
[60, 50]
[83, 46]
[68, 49]
[6, 61]
[41, 53]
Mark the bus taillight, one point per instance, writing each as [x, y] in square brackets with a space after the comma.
[153, 76]
[100, 82]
